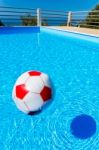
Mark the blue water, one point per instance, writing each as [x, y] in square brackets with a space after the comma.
[73, 65]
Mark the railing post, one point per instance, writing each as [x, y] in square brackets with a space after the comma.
[38, 17]
[69, 18]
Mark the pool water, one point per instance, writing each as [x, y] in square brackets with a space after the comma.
[72, 62]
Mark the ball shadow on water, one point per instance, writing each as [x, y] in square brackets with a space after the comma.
[32, 113]
[83, 126]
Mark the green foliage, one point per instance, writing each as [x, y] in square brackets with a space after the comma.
[29, 20]
[1, 23]
[32, 21]
[45, 22]
[92, 20]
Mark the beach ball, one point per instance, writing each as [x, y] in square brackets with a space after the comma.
[31, 91]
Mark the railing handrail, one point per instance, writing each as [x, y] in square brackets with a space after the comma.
[18, 8]
[85, 11]
[79, 18]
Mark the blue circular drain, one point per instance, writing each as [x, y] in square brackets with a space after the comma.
[83, 126]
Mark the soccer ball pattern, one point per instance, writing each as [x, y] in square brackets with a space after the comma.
[31, 91]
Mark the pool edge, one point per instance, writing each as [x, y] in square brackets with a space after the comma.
[75, 32]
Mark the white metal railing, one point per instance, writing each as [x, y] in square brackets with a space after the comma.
[54, 18]
[17, 16]
[85, 19]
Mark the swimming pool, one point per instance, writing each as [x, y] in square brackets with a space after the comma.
[72, 61]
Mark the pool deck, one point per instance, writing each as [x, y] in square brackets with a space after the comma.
[94, 32]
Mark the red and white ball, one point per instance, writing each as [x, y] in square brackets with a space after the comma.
[31, 91]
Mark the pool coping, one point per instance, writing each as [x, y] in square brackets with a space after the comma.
[75, 32]
[53, 28]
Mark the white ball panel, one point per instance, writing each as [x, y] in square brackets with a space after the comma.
[33, 101]
[21, 105]
[34, 84]
[45, 79]
[22, 79]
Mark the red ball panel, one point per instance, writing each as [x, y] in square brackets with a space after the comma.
[46, 93]
[34, 73]
[21, 91]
